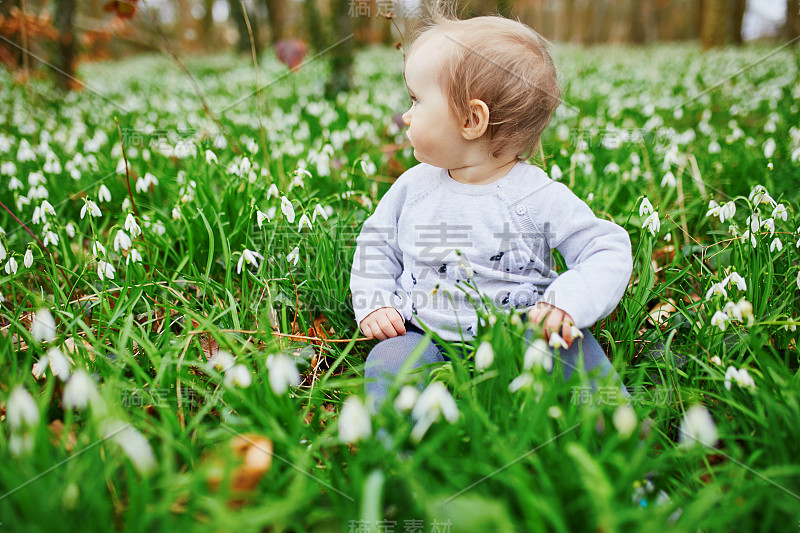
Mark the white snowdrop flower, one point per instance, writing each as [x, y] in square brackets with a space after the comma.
[121, 240]
[645, 208]
[318, 210]
[720, 320]
[103, 194]
[176, 213]
[260, 218]
[273, 191]
[239, 376]
[251, 257]
[652, 223]
[3, 253]
[38, 215]
[297, 181]
[732, 310]
[21, 202]
[669, 180]
[759, 195]
[133, 257]
[47, 207]
[796, 155]
[714, 209]
[484, 356]
[523, 381]
[434, 401]
[11, 266]
[14, 184]
[287, 209]
[780, 212]
[211, 157]
[727, 211]
[21, 410]
[769, 148]
[70, 229]
[776, 245]
[304, 221]
[50, 237]
[79, 390]
[747, 235]
[741, 377]
[158, 228]
[714, 147]
[697, 426]
[98, 249]
[282, 373]
[624, 419]
[294, 255]
[735, 279]
[555, 172]
[354, 421]
[132, 226]
[148, 180]
[43, 326]
[105, 270]
[59, 364]
[556, 341]
[798, 279]
[126, 204]
[770, 225]
[40, 366]
[406, 398]
[92, 208]
[222, 361]
[538, 353]
[28, 260]
[133, 443]
[36, 178]
[716, 360]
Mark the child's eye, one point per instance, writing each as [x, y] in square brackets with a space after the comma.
[414, 101]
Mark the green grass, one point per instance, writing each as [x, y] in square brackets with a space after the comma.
[532, 460]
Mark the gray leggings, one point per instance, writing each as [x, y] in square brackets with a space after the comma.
[386, 358]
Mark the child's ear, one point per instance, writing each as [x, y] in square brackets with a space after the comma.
[477, 120]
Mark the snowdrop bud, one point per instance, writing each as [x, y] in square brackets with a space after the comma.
[59, 364]
[28, 261]
[354, 421]
[43, 327]
[523, 381]
[103, 194]
[11, 266]
[80, 390]
[697, 426]
[239, 375]
[624, 420]
[3, 252]
[538, 353]
[406, 399]
[484, 356]
[287, 209]
[21, 409]
[282, 373]
[133, 443]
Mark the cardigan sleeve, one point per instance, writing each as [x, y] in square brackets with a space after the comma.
[597, 253]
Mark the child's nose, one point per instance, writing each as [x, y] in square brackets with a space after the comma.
[407, 117]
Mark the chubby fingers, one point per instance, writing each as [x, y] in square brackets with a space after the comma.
[397, 321]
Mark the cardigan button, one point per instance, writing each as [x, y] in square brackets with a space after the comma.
[521, 209]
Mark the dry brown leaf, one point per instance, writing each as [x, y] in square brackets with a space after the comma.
[57, 429]
[252, 454]
[661, 312]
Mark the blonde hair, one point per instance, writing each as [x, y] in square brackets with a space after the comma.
[504, 63]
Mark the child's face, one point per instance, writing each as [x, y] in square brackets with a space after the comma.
[433, 131]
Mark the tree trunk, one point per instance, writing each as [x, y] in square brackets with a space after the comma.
[207, 25]
[341, 77]
[316, 34]
[65, 51]
[277, 19]
[714, 23]
[737, 15]
[792, 28]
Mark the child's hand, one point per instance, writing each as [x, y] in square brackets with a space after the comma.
[383, 323]
[556, 321]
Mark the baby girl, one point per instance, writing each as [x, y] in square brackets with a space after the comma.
[473, 214]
